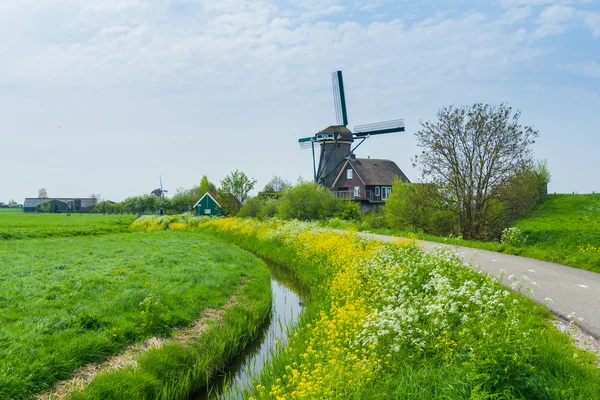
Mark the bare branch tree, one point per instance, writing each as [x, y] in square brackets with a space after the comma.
[469, 152]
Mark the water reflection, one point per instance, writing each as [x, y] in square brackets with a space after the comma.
[285, 309]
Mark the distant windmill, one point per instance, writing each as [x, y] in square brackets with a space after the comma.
[336, 140]
[160, 192]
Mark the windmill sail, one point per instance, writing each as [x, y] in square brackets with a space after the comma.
[306, 143]
[339, 98]
[396, 125]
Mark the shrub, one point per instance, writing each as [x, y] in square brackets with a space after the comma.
[513, 237]
[307, 201]
[349, 211]
[416, 206]
[251, 208]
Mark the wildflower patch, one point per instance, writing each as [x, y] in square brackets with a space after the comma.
[389, 318]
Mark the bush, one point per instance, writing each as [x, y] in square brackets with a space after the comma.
[513, 237]
[269, 209]
[349, 211]
[251, 208]
[415, 206]
[375, 220]
[307, 201]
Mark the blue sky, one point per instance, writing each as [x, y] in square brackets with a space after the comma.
[103, 96]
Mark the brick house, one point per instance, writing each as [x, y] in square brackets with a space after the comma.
[366, 180]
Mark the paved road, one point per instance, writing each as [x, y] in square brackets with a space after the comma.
[572, 290]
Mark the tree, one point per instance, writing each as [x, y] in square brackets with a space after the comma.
[12, 202]
[238, 184]
[42, 194]
[469, 152]
[276, 185]
[206, 187]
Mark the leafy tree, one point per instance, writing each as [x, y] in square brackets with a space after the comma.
[12, 202]
[469, 152]
[185, 198]
[42, 194]
[237, 184]
[206, 187]
[276, 185]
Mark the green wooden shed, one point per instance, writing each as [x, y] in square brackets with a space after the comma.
[208, 205]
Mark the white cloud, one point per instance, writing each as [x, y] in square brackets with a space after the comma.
[590, 70]
[516, 15]
[592, 21]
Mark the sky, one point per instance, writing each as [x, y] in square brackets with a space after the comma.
[106, 96]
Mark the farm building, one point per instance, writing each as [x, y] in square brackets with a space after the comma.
[208, 205]
[366, 180]
[59, 204]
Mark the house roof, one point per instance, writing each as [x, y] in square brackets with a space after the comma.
[374, 171]
[34, 201]
[211, 195]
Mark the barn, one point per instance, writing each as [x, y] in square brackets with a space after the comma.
[366, 180]
[208, 205]
[59, 204]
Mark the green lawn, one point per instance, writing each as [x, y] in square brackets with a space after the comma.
[14, 224]
[68, 301]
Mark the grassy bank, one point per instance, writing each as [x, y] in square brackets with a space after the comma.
[564, 229]
[389, 321]
[14, 224]
[66, 302]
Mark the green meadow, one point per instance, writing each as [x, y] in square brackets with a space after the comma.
[14, 224]
[69, 300]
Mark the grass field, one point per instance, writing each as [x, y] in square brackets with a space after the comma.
[68, 301]
[14, 224]
[389, 321]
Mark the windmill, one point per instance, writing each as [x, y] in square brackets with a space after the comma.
[160, 192]
[336, 141]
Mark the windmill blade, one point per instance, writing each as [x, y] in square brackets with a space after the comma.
[306, 143]
[379, 128]
[161, 182]
[339, 98]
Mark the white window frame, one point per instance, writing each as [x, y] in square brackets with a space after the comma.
[207, 211]
[385, 192]
[349, 173]
[377, 191]
[356, 191]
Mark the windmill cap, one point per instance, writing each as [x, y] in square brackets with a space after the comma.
[338, 130]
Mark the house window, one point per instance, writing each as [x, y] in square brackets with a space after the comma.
[377, 191]
[385, 192]
[207, 211]
[349, 174]
[356, 191]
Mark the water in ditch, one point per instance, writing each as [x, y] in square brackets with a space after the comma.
[285, 310]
